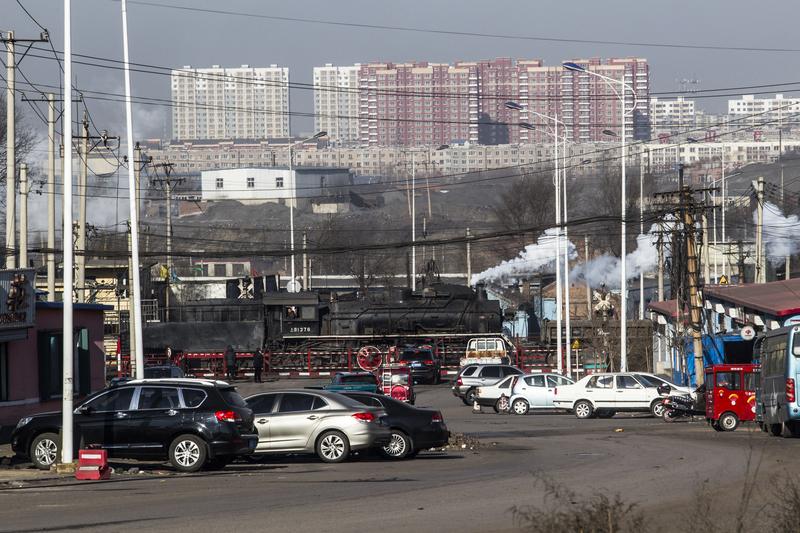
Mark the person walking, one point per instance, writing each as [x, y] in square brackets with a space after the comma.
[230, 363]
[258, 365]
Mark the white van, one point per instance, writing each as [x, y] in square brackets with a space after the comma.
[486, 351]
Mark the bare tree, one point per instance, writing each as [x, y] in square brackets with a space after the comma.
[25, 138]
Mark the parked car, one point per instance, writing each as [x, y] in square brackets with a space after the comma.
[354, 381]
[319, 422]
[486, 350]
[731, 395]
[190, 422]
[605, 394]
[473, 376]
[424, 364]
[412, 429]
[497, 396]
[536, 391]
[155, 372]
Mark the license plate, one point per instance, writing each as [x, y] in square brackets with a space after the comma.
[416, 365]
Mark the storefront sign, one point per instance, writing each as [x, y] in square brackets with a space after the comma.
[17, 299]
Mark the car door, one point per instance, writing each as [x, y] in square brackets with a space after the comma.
[630, 394]
[533, 388]
[293, 423]
[101, 420]
[600, 390]
[489, 376]
[262, 406]
[150, 424]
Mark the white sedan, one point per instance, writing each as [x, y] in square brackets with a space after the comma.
[536, 391]
[603, 395]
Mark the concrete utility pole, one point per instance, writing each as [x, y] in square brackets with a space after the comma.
[641, 230]
[80, 247]
[706, 258]
[168, 182]
[761, 276]
[588, 287]
[695, 304]
[469, 258]
[11, 155]
[133, 267]
[11, 139]
[305, 261]
[23, 215]
[413, 222]
[51, 198]
[660, 266]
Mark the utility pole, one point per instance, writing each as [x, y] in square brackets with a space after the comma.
[469, 259]
[641, 230]
[168, 183]
[760, 259]
[23, 215]
[413, 222]
[305, 261]
[11, 138]
[660, 245]
[695, 305]
[80, 247]
[133, 266]
[706, 258]
[51, 198]
[588, 288]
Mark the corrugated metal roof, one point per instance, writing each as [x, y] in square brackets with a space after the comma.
[776, 298]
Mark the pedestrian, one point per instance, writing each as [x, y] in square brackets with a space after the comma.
[230, 363]
[258, 365]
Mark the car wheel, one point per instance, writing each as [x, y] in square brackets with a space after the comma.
[399, 446]
[728, 422]
[465, 401]
[188, 453]
[45, 450]
[469, 397]
[583, 409]
[333, 447]
[520, 407]
[501, 405]
[657, 408]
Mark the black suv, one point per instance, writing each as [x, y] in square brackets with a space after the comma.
[191, 422]
[423, 364]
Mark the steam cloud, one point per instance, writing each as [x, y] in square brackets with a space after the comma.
[605, 270]
[534, 258]
[778, 233]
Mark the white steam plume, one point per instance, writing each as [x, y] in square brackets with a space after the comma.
[779, 233]
[605, 270]
[534, 258]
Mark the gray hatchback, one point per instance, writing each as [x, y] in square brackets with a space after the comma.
[473, 376]
[316, 421]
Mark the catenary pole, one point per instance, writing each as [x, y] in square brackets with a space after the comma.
[134, 215]
[80, 246]
[51, 197]
[66, 396]
[11, 156]
[23, 215]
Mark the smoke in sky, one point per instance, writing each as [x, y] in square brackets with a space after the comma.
[780, 234]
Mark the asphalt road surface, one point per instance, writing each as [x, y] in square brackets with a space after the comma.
[656, 465]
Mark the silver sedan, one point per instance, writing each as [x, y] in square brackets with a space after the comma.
[315, 421]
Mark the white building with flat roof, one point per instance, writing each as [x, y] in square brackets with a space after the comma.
[769, 112]
[230, 103]
[299, 186]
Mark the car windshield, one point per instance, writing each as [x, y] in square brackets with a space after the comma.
[416, 355]
[232, 397]
[366, 379]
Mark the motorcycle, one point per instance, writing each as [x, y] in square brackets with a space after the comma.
[682, 405]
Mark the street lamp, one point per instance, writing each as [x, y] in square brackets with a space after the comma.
[620, 94]
[292, 285]
[557, 183]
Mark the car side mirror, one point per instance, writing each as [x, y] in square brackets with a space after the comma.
[84, 410]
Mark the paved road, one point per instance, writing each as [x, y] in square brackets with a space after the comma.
[657, 465]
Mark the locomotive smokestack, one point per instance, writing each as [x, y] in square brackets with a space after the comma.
[480, 292]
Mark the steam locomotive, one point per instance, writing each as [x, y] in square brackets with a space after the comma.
[284, 321]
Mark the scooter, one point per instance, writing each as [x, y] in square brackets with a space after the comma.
[682, 405]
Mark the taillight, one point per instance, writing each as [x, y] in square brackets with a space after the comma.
[437, 418]
[459, 382]
[790, 396]
[428, 362]
[403, 363]
[227, 416]
[364, 417]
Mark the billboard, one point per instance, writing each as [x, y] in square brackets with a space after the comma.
[17, 298]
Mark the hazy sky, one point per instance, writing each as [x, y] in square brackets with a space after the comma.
[171, 38]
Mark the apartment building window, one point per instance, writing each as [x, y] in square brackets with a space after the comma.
[278, 183]
[219, 183]
[251, 182]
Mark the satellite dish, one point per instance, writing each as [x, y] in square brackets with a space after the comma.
[748, 333]
[293, 286]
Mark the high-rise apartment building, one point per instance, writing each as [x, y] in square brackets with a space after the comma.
[427, 104]
[230, 103]
[671, 115]
[769, 112]
[336, 99]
